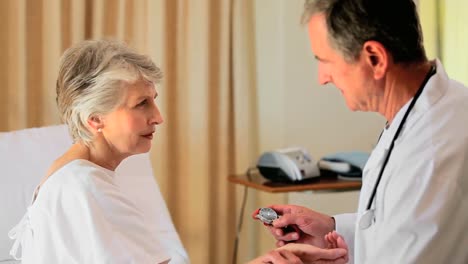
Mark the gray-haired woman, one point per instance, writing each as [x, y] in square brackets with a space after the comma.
[105, 94]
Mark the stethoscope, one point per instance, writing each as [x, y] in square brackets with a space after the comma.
[368, 217]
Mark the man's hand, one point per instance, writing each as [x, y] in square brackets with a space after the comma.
[300, 225]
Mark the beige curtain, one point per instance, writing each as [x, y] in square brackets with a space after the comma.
[208, 98]
[446, 34]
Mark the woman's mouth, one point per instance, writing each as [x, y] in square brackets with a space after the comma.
[148, 136]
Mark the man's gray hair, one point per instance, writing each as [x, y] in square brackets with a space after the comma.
[350, 23]
[92, 78]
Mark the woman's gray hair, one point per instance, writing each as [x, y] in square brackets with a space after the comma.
[350, 23]
[92, 78]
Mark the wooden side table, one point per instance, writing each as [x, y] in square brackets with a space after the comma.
[257, 181]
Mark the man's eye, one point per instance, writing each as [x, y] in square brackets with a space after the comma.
[142, 103]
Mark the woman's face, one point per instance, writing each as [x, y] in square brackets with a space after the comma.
[129, 129]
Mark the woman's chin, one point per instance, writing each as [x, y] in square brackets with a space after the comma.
[144, 149]
[139, 150]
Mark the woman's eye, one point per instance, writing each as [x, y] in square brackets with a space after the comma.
[142, 103]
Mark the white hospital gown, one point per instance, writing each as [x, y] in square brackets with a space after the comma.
[81, 216]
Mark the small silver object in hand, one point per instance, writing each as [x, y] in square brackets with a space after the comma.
[267, 215]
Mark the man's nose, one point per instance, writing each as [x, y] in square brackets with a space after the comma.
[323, 74]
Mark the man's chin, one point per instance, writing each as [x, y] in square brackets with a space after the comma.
[352, 107]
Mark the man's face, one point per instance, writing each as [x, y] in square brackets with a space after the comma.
[352, 79]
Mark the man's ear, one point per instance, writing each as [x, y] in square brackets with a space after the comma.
[376, 56]
[96, 123]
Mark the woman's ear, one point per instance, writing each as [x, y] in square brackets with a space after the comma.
[376, 57]
[95, 123]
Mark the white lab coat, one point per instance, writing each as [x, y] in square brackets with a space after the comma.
[421, 205]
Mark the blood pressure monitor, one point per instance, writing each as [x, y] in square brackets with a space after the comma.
[291, 164]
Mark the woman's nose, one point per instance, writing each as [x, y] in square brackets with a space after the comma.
[157, 117]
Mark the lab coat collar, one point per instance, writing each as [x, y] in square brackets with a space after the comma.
[435, 88]
[433, 91]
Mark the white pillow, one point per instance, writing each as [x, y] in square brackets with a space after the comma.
[26, 155]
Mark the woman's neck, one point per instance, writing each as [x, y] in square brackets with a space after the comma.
[102, 154]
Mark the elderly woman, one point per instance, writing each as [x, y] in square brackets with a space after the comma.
[105, 94]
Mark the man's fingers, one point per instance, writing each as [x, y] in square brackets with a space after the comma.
[255, 213]
[285, 220]
[280, 243]
[280, 209]
[279, 234]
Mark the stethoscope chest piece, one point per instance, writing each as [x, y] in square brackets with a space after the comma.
[267, 215]
[366, 219]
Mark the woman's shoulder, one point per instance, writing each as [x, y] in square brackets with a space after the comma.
[75, 177]
[79, 173]
[75, 166]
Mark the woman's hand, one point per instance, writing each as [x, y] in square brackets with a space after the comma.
[294, 253]
[334, 240]
[313, 255]
[278, 256]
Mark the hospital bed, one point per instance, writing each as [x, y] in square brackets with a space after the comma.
[25, 156]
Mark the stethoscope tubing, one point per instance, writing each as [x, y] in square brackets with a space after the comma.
[397, 133]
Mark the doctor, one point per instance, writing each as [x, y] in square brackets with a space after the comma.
[413, 202]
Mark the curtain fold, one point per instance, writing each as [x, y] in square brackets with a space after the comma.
[206, 51]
